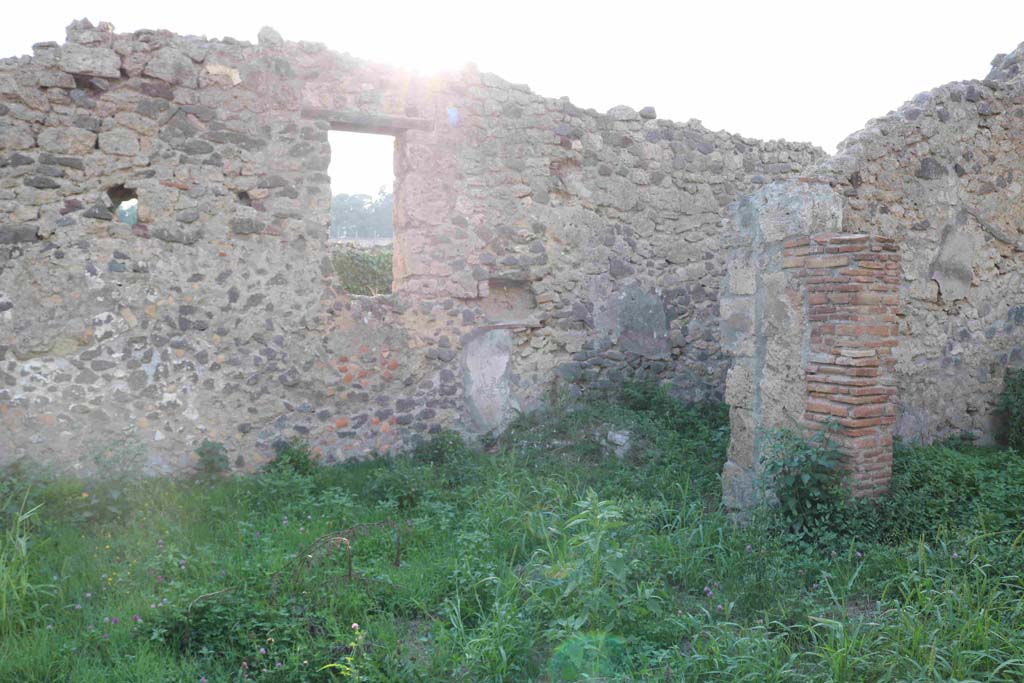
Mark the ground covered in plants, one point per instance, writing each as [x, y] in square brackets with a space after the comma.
[586, 544]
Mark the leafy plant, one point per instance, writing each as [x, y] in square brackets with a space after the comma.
[213, 458]
[443, 447]
[1011, 403]
[806, 477]
[350, 664]
[293, 457]
[587, 656]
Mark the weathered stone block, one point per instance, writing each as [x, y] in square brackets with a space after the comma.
[737, 324]
[90, 61]
[17, 233]
[246, 226]
[119, 142]
[178, 234]
[69, 141]
[173, 66]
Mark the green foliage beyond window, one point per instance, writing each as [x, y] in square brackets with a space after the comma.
[364, 271]
[1011, 403]
[361, 217]
[364, 266]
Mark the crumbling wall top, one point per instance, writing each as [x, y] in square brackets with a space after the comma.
[1007, 67]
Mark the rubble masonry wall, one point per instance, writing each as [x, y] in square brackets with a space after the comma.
[538, 246]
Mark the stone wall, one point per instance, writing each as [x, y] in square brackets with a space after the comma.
[536, 244]
[943, 176]
[937, 187]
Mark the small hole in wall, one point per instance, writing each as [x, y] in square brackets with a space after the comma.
[124, 204]
[91, 84]
[243, 198]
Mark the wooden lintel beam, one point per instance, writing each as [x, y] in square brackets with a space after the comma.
[359, 122]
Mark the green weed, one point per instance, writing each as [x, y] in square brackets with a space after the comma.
[1011, 403]
[554, 555]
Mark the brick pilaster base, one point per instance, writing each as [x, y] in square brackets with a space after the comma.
[852, 285]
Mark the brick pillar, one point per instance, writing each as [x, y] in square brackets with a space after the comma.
[852, 285]
[808, 315]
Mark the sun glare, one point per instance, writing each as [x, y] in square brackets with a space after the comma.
[361, 163]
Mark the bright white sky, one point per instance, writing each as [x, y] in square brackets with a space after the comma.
[813, 71]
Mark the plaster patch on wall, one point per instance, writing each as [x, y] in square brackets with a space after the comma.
[953, 268]
[642, 323]
[486, 362]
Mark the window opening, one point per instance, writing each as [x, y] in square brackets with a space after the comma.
[362, 230]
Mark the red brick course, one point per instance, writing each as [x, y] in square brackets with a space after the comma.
[853, 303]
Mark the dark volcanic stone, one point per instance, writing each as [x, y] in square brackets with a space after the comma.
[42, 182]
[18, 232]
[99, 212]
[931, 169]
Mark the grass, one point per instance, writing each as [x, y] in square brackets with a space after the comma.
[543, 556]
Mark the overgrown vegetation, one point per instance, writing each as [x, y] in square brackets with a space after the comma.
[365, 271]
[806, 478]
[556, 554]
[1011, 403]
[213, 458]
